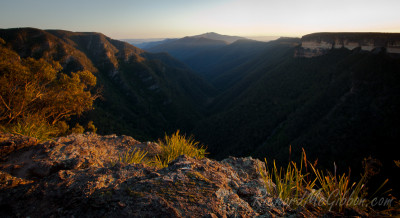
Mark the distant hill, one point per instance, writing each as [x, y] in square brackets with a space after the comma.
[216, 36]
[146, 43]
[217, 57]
[144, 94]
[187, 47]
[223, 66]
[211, 55]
[157, 45]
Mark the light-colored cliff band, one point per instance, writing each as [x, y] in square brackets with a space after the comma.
[318, 44]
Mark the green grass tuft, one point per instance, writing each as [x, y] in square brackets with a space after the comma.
[338, 192]
[290, 184]
[175, 145]
[133, 157]
[329, 191]
[32, 126]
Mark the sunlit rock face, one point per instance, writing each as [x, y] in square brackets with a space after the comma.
[318, 44]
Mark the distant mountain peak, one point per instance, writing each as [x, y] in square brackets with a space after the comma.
[209, 34]
[216, 36]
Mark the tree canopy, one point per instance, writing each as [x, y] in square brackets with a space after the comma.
[39, 90]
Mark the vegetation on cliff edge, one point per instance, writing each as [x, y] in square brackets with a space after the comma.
[37, 98]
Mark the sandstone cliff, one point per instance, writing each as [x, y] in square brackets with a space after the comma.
[317, 44]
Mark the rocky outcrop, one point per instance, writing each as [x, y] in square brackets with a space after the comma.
[317, 44]
[75, 176]
[23, 157]
[10, 143]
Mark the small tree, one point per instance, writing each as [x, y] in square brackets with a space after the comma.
[38, 88]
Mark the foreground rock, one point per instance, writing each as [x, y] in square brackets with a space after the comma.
[23, 157]
[75, 176]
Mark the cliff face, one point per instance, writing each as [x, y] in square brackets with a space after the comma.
[317, 44]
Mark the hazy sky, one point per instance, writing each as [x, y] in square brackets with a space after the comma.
[178, 18]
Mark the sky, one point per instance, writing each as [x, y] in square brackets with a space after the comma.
[123, 19]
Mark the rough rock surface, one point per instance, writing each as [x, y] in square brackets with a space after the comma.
[74, 176]
[10, 143]
[31, 160]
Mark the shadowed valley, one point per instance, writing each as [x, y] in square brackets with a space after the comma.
[332, 96]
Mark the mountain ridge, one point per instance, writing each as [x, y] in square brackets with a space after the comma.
[216, 36]
[187, 46]
[133, 80]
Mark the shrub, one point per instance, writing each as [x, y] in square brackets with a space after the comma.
[62, 127]
[91, 127]
[78, 129]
